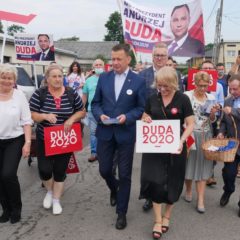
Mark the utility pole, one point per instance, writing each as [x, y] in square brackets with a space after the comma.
[216, 46]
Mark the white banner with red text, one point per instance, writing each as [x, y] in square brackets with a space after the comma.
[159, 136]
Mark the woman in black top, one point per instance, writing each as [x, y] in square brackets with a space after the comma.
[162, 174]
[56, 109]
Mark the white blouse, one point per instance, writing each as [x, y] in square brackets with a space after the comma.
[74, 81]
[14, 114]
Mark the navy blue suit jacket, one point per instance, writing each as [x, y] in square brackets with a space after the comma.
[190, 48]
[131, 102]
[49, 57]
[148, 76]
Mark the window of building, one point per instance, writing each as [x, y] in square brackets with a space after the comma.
[231, 53]
[6, 59]
[229, 65]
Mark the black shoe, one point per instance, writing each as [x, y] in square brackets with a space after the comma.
[121, 222]
[5, 217]
[147, 205]
[225, 199]
[15, 216]
[113, 199]
[239, 212]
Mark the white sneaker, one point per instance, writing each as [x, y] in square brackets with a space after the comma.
[57, 208]
[47, 201]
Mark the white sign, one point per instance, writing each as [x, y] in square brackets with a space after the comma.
[159, 136]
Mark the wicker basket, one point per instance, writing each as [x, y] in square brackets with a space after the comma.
[225, 156]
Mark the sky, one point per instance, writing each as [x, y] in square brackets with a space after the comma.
[86, 18]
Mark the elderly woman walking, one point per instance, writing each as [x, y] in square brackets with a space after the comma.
[15, 141]
[55, 109]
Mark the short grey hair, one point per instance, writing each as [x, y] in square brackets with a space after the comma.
[8, 68]
[98, 59]
[160, 45]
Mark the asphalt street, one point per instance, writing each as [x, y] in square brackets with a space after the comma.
[87, 214]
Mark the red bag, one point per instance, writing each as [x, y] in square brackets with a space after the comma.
[72, 165]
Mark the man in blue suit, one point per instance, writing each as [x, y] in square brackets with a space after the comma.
[118, 102]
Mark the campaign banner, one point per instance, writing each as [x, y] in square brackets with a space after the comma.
[213, 79]
[58, 142]
[180, 27]
[159, 136]
[32, 47]
[72, 165]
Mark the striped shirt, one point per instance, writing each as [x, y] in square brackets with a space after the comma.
[49, 106]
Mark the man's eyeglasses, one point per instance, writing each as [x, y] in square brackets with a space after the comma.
[159, 56]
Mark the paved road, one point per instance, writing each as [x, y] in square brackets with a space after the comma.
[87, 214]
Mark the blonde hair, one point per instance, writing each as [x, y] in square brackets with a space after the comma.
[7, 68]
[168, 76]
[201, 76]
[52, 67]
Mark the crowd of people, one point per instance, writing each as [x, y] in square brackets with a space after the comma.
[112, 102]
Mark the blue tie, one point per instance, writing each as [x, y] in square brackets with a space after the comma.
[171, 49]
[43, 56]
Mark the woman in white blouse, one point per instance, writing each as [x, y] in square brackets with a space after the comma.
[75, 78]
[15, 141]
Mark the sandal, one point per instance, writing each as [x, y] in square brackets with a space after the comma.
[165, 224]
[155, 233]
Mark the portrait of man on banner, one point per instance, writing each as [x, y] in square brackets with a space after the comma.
[180, 27]
[183, 43]
[45, 48]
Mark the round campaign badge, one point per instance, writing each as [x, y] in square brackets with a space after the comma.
[129, 92]
[174, 111]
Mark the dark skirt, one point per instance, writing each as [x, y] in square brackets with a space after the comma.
[162, 176]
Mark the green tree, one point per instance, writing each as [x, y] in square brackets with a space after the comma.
[114, 28]
[115, 32]
[74, 39]
[133, 59]
[1, 27]
[11, 30]
[208, 46]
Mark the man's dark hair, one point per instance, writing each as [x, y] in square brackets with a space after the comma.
[180, 6]
[45, 35]
[122, 46]
[234, 77]
[220, 65]
[170, 58]
[207, 61]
